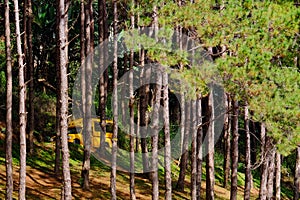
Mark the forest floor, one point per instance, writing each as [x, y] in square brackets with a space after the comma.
[41, 182]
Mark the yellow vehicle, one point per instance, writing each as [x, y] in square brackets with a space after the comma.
[75, 135]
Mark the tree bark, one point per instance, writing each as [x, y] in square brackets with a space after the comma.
[194, 150]
[265, 164]
[88, 94]
[271, 171]
[155, 132]
[184, 156]
[227, 131]
[235, 155]
[168, 158]
[278, 176]
[115, 108]
[9, 130]
[131, 111]
[248, 154]
[63, 58]
[199, 146]
[22, 111]
[103, 34]
[297, 175]
[210, 166]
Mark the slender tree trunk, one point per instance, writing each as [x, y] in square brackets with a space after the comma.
[168, 172]
[9, 130]
[271, 172]
[88, 94]
[115, 108]
[235, 155]
[63, 58]
[277, 176]
[227, 131]
[194, 150]
[248, 155]
[184, 156]
[210, 166]
[22, 111]
[199, 146]
[131, 111]
[103, 34]
[31, 76]
[155, 132]
[82, 56]
[265, 164]
[297, 175]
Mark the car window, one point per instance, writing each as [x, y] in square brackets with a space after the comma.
[74, 130]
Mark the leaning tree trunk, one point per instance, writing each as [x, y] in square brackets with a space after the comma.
[63, 57]
[9, 131]
[235, 155]
[297, 175]
[22, 111]
[113, 175]
[248, 154]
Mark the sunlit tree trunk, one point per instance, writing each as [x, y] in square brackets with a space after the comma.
[248, 154]
[155, 132]
[271, 171]
[227, 140]
[235, 155]
[184, 151]
[9, 130]
[194, 150]
[88, 93]
[297, 175]
[168, 161]
[113, 175]
[22, 111]
[63, 58]
[265, 163]
[278, 176]
[210, 166]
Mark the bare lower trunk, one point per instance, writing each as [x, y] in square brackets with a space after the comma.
[271, 172]
[235, 155]
[184, 156]
[9, 131]
[210, 166]
[194, 150]
[199, 146]
[297, 175]
[155, 132]
[168, 161]
[227, 140]
[63, 59]
[277, 176]
[248, 155]
[88, 94]
[22, 111]
[113, 175]
[265, 164]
